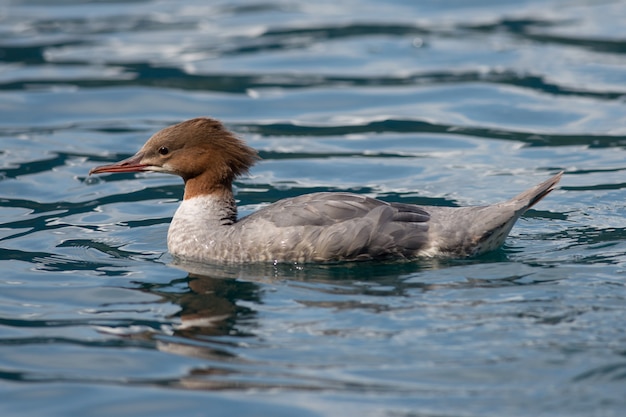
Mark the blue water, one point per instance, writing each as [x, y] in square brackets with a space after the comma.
[431, 102]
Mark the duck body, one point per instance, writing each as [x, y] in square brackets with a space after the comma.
[325, 227]
[318, 227]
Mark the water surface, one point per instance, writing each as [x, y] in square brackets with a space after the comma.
[439, 102]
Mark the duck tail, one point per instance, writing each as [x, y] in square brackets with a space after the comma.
[532, 196]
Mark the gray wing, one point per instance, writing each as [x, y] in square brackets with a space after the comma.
[340, 226]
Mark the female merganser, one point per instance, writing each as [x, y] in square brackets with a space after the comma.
[319, 227]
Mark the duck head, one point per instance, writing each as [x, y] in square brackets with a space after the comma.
[201, 151]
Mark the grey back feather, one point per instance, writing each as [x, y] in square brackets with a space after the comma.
[345, 226]
[340, 226]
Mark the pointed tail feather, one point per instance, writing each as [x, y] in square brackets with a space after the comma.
[532, 196]
[500, 221]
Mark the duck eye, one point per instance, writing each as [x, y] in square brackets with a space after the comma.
[163, 150]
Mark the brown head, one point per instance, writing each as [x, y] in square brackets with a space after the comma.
[201, 151]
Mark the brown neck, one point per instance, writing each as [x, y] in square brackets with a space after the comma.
[199, 186]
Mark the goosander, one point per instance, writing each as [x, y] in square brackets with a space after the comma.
[318, 227]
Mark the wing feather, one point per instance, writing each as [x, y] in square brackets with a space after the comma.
[349, 226]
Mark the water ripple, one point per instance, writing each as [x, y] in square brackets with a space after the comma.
[441, 102]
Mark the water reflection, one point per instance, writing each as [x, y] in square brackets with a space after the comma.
[215, 299]
[226, 316]
[210, 307]
[216, 318]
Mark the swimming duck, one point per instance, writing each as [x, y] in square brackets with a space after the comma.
[317, 227]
